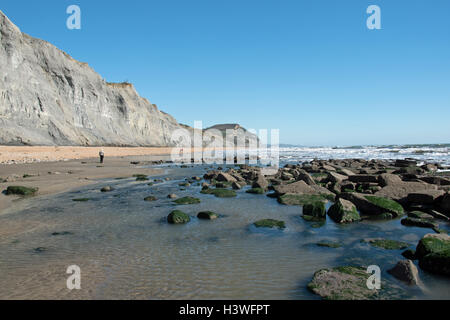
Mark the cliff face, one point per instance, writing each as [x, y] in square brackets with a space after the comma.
[48, 98]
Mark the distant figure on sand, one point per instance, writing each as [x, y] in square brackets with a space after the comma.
[102, 155]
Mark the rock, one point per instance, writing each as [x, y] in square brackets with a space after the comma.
[207, 215]
[150, 198]
[372, 205]
[342, 283]
[409, 254]
[425, 196]
[336, 177]
[329, 244]
[420, 215]
[399, 191]
[187, 200]
[440, 181]
[346, 172]
[220, 193]
[270, 223]
[328, 168]
[222, 176]
[172, 196]
[315, 210]
[433, 252]
[386, 244]
[387, 179]
[405, 163]
[256, 191]
[300, 199]
[445, 204]
[20, 190]
[236, 186]
[300, 187]
[107, 189]
[184, 184]
[261, 183]
[361, 178]
[438, 215]
[421, 223]
[178, 217]
[406, 271]
[305, 176]
[343, 211]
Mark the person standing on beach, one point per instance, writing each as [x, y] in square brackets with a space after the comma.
[102, 155]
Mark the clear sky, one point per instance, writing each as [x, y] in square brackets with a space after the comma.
[309, 68]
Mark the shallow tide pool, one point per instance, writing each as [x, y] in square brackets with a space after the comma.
[127, 250]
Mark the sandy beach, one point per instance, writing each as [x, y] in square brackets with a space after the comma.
[60, 169]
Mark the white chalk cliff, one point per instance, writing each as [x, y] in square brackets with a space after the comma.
[49, 98]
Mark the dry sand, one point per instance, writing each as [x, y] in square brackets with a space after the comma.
[14, 155]
[80, 167]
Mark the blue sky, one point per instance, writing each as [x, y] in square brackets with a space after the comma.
[309, 68]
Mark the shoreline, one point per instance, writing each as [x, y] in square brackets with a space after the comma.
[62, 176]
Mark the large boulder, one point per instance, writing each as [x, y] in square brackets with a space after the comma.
[399, 191]
[225, 177]
[305, 176]
[406, 271]
[343, 211]
[387, 179]
[373, 205]
[424, 197]
[433, 252]
[300, 187]
[261, 183]
[336, 177]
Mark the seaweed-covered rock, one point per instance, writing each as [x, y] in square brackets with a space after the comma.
[315, 209]
[21, 191]
[342, 283]
[207, 215]
[343, 211]
[420, 215]
[187, 200]
[270, 223]
[220, 193]
[302, 199]
[433, 252]
[256, 191]
[406, 271]
[373, 205]
[387, 244]
[421, 223]
[329, 244]
[178, 217]
[150, 198]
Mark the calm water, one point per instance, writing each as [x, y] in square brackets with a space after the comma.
[125, 248]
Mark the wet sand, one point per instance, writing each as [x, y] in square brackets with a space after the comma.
[62, 176]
